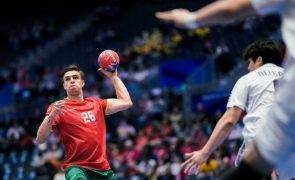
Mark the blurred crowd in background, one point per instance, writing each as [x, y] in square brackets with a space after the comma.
[145, 142]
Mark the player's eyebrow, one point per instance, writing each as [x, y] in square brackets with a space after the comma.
[75, 75]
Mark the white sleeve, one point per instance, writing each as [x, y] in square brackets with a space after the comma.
[264, 7]
[276, 139]
[239, 95]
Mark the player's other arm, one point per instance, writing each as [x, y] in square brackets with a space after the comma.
[214, 13]
[123, 100]
[222, 129]
[46, 126]
[220, 132]
[44, 129]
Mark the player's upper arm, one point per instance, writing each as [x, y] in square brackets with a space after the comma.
[116, 105]
[229, 10]
[242, 7]
[239, 95]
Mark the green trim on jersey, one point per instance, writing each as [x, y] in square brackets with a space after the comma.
[76, 172]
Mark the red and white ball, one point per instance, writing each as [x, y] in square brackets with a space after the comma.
[108, 60]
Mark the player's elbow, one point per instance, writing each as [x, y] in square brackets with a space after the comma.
[126, 104]
[129, 104]
[230, 123]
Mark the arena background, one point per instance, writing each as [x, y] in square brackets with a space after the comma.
[179, 81]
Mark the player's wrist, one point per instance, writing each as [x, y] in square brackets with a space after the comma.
[205, 153]
[191, 21]
[114, 78]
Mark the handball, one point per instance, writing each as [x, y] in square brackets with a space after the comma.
[108, 60]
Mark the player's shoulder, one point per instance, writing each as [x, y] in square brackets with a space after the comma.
[246, 78]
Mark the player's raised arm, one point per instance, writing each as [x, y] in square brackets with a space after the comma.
[108, 62]
[123, 100]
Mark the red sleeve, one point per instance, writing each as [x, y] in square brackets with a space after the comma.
[103, 103]
[56, 118]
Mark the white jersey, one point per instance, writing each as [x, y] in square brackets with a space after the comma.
[254, 93]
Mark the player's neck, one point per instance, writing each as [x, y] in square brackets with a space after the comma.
[76, 98]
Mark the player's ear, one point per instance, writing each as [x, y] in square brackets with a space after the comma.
[259, 60]
[83, 83]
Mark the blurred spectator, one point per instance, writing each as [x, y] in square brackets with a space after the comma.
[176, 115]
[14, 134]
[224, 61]
[125, 130]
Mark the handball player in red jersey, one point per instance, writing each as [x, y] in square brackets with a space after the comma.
[80, 123]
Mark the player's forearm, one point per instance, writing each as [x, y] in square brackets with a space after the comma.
[44, 129]
[121, 91]
[223, 11]
[220, 133]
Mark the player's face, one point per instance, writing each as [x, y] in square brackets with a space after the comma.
[253, 65]
[73, 83]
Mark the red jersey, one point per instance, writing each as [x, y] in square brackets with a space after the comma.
[82, 131]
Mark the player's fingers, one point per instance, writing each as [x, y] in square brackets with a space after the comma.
[166, 15]
[183, 165]
[57, 109]
[196, 172]
[59, 104]
[191, 168]
[188, 155]
[187, 169]
[62, 112]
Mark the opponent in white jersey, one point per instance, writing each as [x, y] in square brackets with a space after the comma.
[253, 94]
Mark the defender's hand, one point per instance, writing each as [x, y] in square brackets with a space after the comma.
[193, 163]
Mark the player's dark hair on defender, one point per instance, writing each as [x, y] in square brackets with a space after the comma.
[267, 49]
[72, 67]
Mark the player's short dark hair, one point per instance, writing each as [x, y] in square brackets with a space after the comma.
[72, 67]
[267, 49]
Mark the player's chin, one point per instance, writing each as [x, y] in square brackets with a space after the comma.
[74, 91]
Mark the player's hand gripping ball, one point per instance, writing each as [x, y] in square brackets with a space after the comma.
[108, 60]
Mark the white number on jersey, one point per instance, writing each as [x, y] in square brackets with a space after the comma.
[88, 116]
